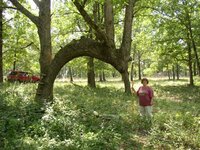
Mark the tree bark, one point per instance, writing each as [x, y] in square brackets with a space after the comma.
[90, 64]
[139, 67]
[77, 48]
[71, 74]
[43, 23]
[109, 22]
[177, 71]
[173, 73]
[126, 43]
[168, 72]
[1, 42]
[44, 32]
[194, 68]
[104, 76]
[100, 76]
[193, 41]
[132, 71]
[91, 73]
[125, 78]
[190, 63]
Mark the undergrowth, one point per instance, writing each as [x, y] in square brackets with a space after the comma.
[105, 118]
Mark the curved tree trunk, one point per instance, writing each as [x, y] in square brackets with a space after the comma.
[77, 48]
[103, 48]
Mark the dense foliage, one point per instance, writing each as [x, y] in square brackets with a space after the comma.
[102, 118]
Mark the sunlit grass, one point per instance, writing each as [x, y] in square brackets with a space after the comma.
[103, 118]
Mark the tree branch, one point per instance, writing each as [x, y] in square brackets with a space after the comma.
[99, 33]
[27, 45]
[27, 13]
[127, 33]
[37, 2]
[109, 22]
[9, 7]
[7, 21]
[84, 2]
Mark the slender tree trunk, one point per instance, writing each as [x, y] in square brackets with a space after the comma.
[194, 47]
[177, 71]
[91, 74]
[186, 72]
[196, 55]
[71, 74]
[132, 71]
[100, 76]
[104, 76]
[15, 60]
[1, 42]
[90, 64]
[113, 74]
[173, 72]
[190, 64]
[168, 72]
[195, 68]
[139, 67]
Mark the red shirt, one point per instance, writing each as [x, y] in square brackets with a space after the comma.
[145, 94]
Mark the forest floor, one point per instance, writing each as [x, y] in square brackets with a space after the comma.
[105, 118]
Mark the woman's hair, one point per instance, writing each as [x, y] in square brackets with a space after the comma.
[144, 79]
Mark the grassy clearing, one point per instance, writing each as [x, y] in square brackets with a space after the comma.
[82, 118]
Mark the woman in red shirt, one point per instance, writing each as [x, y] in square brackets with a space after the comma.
[145, 95]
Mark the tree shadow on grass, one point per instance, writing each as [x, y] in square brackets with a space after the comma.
[182, 93]
[177, 98]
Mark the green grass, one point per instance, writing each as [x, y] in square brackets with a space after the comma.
[71, 121]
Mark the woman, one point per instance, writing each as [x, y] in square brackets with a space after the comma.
[145, 94]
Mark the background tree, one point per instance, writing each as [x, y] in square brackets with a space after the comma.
[1, 41]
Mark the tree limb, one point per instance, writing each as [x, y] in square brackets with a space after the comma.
[84, 2]
[7, 21]
[9, 7]
[127, 33]
[37, 2]
[109, 22]
[99, 33]
[27, 45]
[27, 13]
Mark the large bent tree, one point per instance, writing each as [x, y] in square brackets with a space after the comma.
[102, 48]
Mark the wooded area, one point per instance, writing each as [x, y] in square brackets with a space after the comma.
[156, 37]
[93, 44]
